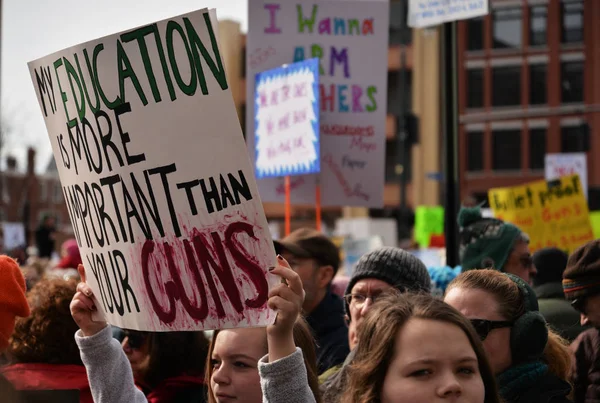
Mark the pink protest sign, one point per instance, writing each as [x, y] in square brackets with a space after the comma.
[351, 40]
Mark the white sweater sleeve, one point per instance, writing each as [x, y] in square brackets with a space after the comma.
[285, 380]
[108, 370]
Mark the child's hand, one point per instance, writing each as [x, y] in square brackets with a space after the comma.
[286, 299]
[82, 307]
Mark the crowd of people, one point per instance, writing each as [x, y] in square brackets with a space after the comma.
[511, 327]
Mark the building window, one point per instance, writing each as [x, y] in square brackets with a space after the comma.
[507, 150]
[475, 33]
[538, 87]
[506, 86]
[475, 88]
[537, 149]
[474, 151]
[571, 78]
[572, 21]
[575, 139]
[538, 25]
[507, 28]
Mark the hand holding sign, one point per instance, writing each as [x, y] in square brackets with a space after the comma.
[287, 299]
[83, 308]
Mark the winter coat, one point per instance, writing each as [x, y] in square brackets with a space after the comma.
[559, 313]
[585, 373]
[330, 331]
[532, 383]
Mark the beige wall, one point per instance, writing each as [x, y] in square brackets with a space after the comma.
[426, 97]
[230, 42]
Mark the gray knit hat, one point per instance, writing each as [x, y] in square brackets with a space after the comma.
[395, 266]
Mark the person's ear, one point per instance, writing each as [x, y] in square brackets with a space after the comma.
[325, 275]
[347, 319]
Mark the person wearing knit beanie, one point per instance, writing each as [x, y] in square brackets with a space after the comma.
[13, 302]
[581, 281]
[581, 284]
[489, 243]
[377, 271]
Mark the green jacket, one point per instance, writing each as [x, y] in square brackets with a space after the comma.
[559, 313]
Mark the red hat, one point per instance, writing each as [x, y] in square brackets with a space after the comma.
[13, 302]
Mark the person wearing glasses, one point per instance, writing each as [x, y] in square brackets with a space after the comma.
[376, 272]
[581, 284]
[530, 361]
[489, 243]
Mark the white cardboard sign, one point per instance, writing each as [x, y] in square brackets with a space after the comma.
[157, 179]
[427, 13]
[351, 40]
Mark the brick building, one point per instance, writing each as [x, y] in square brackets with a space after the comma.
[27, 196]
[529, 84]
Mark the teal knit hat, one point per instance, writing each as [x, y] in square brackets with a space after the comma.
[484, 242]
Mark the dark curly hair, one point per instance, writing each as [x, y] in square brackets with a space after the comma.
[46, 336]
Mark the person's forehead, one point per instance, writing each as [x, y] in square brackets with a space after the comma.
[473, 303]
[371, 284]
[432, 340]
[248, 341]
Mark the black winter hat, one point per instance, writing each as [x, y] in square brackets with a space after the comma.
[397, 267]
[550, 264]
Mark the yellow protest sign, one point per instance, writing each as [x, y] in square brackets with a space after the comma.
[552, 213]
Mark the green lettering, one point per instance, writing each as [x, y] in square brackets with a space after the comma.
[94, 108]
[117, 101]
[217, 70]
[72, 74]
[140, 35]
[317, 51]
[371, 92]
[63, 95]
[188, 89]
[304, 22]
[353, 25]
[126, 71]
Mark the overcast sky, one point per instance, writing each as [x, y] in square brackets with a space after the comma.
[33, 29]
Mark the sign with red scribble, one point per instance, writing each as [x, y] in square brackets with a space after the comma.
[567, 164]
[287, 120]
[156, 178]
[350, 39]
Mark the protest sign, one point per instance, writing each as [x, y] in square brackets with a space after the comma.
[156, 177]
[287, 120]
[566, 164]
[351, 40]
[429, 220]
[552, 213]
[595, 222]
[427, 13]
[14, 235]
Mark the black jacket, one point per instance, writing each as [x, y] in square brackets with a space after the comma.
[330, 331]
[545, 389]
[557, 311]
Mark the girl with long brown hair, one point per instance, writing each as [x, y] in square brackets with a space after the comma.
[414, 348]
[531, 363]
